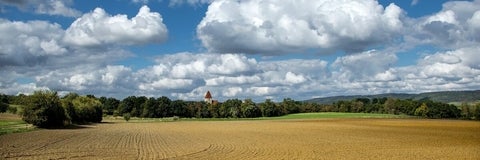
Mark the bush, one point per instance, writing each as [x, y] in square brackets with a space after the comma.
[44, 110]
[126, 116]
[3, 107]
[12, 109]
[83, 109]
[422, 110]
[175, 118]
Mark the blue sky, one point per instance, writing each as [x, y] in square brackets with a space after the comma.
[254, 49]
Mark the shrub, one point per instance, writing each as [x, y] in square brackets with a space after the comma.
[12, 109]
[126, 116]
[83, 109]
[175, 118]
[3, 107]
[422, 110]
[44, 110]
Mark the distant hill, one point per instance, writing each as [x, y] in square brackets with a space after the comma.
[445, 97]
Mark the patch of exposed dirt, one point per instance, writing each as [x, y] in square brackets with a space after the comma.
[303, 139]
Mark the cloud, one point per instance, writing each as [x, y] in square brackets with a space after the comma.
[49, 7]
[87, 79]
[29, 43]
[17, 88]
[371, 62]
[37, 52]
[455, 26]
[273, 27]
[362, 73]
[414, 2]
[174, 3]
[240, 76]
[42, 55]
[140, 1]
[99, 28]
[56, 7]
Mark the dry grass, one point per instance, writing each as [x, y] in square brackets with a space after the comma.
[270, 139]
[9, 116]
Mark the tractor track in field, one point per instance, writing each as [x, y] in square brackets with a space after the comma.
[273, 139]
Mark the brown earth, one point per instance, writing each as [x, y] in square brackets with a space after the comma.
[276, 139]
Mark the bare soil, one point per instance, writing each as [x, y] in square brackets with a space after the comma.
[267, 139]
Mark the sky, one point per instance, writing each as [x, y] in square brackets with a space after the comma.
[256, 49]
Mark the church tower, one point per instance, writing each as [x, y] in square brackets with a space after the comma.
[208, 97]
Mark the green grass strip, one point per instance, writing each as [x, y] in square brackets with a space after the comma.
[317, 115]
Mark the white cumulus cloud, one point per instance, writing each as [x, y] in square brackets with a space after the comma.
[363, 65]
[270, 26]
[455, 26]
[99, 28]
[25, 43]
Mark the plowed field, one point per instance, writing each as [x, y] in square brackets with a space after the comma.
[264, 139]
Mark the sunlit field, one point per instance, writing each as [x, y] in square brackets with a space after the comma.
[304, 137]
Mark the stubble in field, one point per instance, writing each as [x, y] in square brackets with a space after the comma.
[268, 139]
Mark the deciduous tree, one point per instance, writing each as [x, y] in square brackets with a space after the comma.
[44, 110]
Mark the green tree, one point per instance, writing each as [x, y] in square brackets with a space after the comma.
[476, 113]
[231, 108]
[214, 109]
[270, 109]
[164, 107]
[4, 98]
[88, 109]
[310, 107]
[250, 109]
[200, 110]
[422, 110]
[3, 107]
[127, 105]
[389, 106]
[12, 109]
[44, 110]
[109, 105]
[70, 111]
[180, 108]
[4, 101]
[343, 106]
[357, 106]
[149, 108]
[20, 99]
[67, 104]
[466, 111]
[290, 105]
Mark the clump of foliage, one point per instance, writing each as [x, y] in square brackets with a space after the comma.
[82, 109]
[3, 103]
[44, 110]
[12, 109]
[85, 109]
[3, 107]
[422, 110]
[126, 116]
[175, 118]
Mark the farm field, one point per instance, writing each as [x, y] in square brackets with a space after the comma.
[326, 138]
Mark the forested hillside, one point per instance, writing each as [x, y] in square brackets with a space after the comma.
[444, 97]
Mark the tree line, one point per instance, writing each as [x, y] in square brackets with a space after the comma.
[46, 108]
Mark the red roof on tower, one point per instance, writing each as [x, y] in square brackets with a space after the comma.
[208, 95]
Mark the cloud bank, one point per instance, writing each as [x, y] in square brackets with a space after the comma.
[270, 26]
[84, 57]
